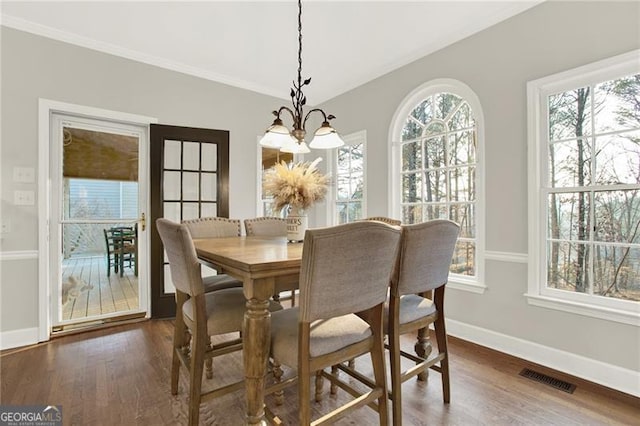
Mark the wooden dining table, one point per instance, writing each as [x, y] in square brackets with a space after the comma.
[265, 265]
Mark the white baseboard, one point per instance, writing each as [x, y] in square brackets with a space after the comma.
[612, 376]
[17, 338]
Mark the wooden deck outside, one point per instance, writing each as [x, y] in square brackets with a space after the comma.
[90, 292]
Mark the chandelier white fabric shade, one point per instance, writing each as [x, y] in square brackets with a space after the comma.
[279, 137]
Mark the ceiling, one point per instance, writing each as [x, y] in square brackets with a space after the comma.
[253, 45]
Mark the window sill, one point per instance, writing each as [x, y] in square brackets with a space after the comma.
[609, 314]
[466, 285]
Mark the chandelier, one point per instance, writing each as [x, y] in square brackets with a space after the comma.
[280, 137]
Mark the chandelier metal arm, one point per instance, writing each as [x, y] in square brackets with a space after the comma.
[299, 100]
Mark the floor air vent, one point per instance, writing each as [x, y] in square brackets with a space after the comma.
[548, 380]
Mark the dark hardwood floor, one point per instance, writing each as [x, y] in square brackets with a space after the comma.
[120, 376]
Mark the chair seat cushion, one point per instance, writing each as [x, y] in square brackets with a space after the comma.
[326, 335]
[412, 307]
[220, 282]
[225, 310]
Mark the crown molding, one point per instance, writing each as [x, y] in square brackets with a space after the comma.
[112, 49]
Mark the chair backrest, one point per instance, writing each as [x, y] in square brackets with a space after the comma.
[346, 268]
[266, 227]
[183, 260]
[213, 227]
[394, 222]
[426, 250]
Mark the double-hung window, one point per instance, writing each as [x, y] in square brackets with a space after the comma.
[348, 194]
[584, 178]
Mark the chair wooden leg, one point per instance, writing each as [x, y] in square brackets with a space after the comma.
[441, 338]
[277, 376]
[378, 362]
[195, 382]
[208, 363]
[181, 338]
[319, 385]
[334, 372]
[423, 349]
[304, 378]
[396, 384]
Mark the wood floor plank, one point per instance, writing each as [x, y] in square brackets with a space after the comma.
[120, 376]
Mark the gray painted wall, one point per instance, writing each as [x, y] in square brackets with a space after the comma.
[497, 64]
[35, 67]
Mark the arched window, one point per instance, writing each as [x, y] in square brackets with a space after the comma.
[436, 167]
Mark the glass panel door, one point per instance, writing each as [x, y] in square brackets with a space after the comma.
[100, 200]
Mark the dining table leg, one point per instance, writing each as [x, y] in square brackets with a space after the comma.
[256, 341]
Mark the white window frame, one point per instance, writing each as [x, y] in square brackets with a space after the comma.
[538, 293]
[332, 167]
[472, 284]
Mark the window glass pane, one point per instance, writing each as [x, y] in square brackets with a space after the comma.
[172, 211]
[172, 154]
[618, 158]
[171, 186]
[462, 184]
[342, 187]
[569, 216]
[411, 187]
[463, 260]
[356, 185]
[355, 211]
[412, 214]
[190, 211]
[344, 160]
[436, 211]
[617, 216]
[445, 103]
[209, 188]
[190, 186]
[191, 156]
[423, 112]
[342, 213]
[209, 209]
[357, 157]
[617, 104]
[570, 163]
[411, 156]
[209, 157]
[435, 128]
[436, 189]
[435, 152]
[462, 119]
[463, 214]
[617, 272]
[411, 130]
[462, 148]
[570, 114]
[568, 266]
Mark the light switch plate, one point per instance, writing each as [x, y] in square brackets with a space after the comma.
[24, 198]
[24, 174]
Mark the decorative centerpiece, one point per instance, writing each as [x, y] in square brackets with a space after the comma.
[297, 187]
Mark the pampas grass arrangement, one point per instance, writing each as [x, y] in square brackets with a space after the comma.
[297, 185]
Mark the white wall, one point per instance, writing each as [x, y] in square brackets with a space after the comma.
[496, 64]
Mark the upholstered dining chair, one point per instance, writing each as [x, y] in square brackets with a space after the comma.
[199, 315]
[332, 324]
[266, 227]
[390, 221]
[215, 227]
[426, 250]
[271, 227]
